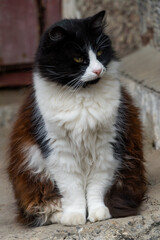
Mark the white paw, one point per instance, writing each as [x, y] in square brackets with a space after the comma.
[56, 217]
[73, 218]
[99, 214]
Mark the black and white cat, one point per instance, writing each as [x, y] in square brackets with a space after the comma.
[76, 148]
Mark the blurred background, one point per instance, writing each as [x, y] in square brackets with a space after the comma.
[134, 27]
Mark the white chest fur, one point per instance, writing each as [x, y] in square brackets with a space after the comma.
[81, 123]
[79, 111]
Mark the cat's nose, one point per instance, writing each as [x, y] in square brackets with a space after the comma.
[97, 71]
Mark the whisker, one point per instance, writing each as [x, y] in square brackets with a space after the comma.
[46, 66]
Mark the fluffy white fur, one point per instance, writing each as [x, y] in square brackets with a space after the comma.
[80, 125]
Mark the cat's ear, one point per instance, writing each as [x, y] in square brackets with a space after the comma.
[98, 20]
[57, 34]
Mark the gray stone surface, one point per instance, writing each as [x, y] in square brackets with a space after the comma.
[141, 73]
[149, 12]
[10, 101]
[143, 66]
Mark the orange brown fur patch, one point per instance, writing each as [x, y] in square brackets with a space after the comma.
[32, 191]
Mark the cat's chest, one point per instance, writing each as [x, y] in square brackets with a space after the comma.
[82, 111]
[84, 136]
[82, 118]
[81, 150]
[82, 126]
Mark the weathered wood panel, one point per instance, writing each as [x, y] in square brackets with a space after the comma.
[52, 11]
[19, 31]
[15, 79]
[21, 23]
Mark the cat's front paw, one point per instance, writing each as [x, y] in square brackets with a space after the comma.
[56, 217]
[99, 214]
[73, 218]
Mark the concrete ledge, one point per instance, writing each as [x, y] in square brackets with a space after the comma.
[140, 71]
[7, 115]
[10, 102]
[132, 228]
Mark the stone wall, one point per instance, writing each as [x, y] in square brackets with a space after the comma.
[149, 12]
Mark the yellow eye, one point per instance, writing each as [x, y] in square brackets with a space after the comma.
[78, 60]
[99, 53]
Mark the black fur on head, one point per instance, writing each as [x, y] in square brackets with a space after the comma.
[68, 39]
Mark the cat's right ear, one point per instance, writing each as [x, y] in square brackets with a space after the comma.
[57, 34]
[98, 20]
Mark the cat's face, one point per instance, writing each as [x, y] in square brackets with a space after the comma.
[75, 52]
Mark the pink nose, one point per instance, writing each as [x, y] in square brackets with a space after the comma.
[97, 71]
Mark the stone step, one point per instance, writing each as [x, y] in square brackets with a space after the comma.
[140, 71]
[10, 101]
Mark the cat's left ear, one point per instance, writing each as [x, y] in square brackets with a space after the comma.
[57, 33]
[98, 20]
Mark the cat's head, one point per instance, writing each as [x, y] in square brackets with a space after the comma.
[75, 52]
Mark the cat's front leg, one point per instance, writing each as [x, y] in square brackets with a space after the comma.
[97, 184]
[73, 201]
[71, 186]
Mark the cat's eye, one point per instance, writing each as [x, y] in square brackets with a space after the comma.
[99, 53]
[78, 60]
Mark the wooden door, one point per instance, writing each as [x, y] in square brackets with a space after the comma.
[21, 24]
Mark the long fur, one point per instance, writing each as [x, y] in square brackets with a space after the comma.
[76, 147]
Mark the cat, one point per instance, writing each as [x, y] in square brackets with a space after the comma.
[76, 151]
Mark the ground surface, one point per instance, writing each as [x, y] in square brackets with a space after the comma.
[145, 226]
